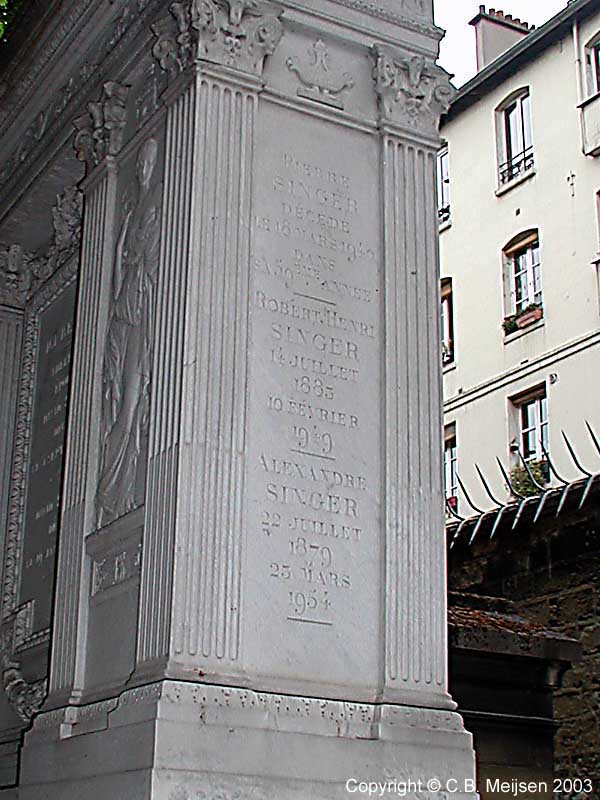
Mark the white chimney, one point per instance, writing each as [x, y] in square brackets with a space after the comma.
[496, 32]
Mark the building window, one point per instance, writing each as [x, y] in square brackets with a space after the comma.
[596, 260]
[443, 186]
[515, 138]
[523, 281]
[450, 475]
[592, 63]
[447, 322]
[532, 413]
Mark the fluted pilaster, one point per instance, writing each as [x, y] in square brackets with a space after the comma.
[164, 438]
[415, 568]
[81, 451]
[207, 590]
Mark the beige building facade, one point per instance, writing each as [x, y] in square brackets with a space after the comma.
[519, 208]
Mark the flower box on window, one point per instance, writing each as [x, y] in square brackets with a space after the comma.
[529, 315]
[532, 313]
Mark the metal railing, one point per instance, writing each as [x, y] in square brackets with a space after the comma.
[517, 165]
[546, 498]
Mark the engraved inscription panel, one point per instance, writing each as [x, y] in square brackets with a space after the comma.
[46, 455]
[313, 514]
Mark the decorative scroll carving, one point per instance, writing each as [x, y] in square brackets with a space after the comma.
[236, 33]
[317, 81]
[100, 132]
[26, 698]
[127, 359]
[66, 222]
[15, 275]
[413, 92]
[21, 272]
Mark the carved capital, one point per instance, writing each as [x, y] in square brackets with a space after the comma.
[413, 92]
[235, 33]
[100, 131]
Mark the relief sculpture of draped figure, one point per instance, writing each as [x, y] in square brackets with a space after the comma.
[127, 359]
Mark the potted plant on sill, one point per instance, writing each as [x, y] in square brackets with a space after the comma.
[522, 483]
[510, 324]
[527, 316]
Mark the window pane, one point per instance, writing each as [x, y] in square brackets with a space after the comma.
[527, 277]
[443, 186]
[526, 118]
[450, 480]
[537, 284]
[534, 428]
[513, 133]
[529, 448]
[527, 414]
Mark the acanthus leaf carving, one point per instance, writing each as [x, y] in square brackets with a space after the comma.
[100, 132]
[412, 91]
[235, 33]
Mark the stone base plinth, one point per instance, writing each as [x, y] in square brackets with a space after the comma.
[182, 741]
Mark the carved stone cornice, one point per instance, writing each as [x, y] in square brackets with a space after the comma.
[405, 17]
[100, 131]
[235, 33]
[413, 92]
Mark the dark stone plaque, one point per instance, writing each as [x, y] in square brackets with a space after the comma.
[47, 434]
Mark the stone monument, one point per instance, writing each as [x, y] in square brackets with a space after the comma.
[224, 567]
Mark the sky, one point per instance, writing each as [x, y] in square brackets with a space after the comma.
[458, 48]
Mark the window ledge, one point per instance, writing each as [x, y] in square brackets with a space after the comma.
[510, 337]
[589, 100]
[448, 367]
[506, 187]
[445, 225]
[590, 112]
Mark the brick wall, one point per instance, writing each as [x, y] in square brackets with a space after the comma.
[552, 572]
